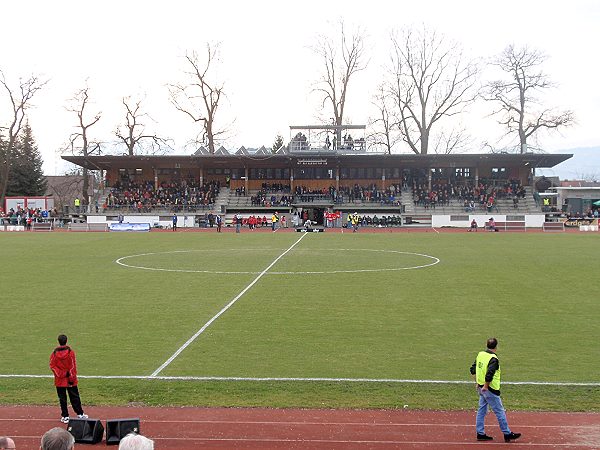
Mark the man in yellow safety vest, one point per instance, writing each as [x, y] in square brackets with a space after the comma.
[486, 369]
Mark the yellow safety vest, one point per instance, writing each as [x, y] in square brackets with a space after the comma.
[481, 365]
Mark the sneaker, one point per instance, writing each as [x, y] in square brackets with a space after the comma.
[511, 436]
[64, 419]
[484, 437]
[82, 416]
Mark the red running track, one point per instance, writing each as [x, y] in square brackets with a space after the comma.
[233, 428]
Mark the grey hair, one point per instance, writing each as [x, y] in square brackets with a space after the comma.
[57, 439]
[136, 442]
[4, 441]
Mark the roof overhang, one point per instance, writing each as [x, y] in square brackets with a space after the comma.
[533, 160]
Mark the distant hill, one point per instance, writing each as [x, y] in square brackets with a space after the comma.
[585, 163]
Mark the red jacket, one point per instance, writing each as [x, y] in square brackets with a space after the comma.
[64, 366]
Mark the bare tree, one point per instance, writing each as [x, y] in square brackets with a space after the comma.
[588, 177]
[20, 101]
[451, 140]
[516, 95]
[340, 63]
[431, 81]
[80, 142]
[66, 187]
[201, 97]
[385, 128]
[132, 132]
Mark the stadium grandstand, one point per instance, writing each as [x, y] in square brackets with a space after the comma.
[324, 172]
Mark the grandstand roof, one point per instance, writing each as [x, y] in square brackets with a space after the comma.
[267, 159]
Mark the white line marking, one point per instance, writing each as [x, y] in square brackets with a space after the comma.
[287, 423]
[225, 308]
[220, 272]
[433, 444]
[302, 379]
[436, 231]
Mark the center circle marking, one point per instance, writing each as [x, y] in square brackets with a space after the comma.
[433, 261]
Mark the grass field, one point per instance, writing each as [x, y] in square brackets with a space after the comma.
[334, 306]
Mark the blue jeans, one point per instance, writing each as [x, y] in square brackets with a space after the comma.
[495, 403]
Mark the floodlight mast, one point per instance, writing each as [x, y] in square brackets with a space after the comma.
[327, 138]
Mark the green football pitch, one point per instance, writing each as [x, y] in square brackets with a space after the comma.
[288, 319]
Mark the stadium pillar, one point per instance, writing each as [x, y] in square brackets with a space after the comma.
[476, 176]
[429, 179]
[246, 179]
[337, 178]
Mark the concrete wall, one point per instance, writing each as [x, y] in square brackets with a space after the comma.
[182, 221]
[439, 221]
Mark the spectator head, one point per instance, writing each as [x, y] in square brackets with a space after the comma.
[492, 343]
[62, 339]
[136, 442]
[57, 439]
[6, 443]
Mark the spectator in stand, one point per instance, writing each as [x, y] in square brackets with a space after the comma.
[136, 442]
[57, 439]
[7, 443]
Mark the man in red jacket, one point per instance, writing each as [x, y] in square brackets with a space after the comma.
[64, 366]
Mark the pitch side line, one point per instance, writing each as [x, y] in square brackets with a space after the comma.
[225, 308]
[300, 379]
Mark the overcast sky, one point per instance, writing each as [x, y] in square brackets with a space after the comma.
[136, 47]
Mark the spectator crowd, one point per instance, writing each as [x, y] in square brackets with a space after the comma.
[483, 194]
[26, 216]
[144, 196]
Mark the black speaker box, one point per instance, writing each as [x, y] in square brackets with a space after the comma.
[86, 431]
[117, 429]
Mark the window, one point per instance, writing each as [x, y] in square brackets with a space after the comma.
[499, 173]
[392, 172]
[237, 174]
[462, 172]
[282, 174]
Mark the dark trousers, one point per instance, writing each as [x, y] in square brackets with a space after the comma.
[73, 396]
